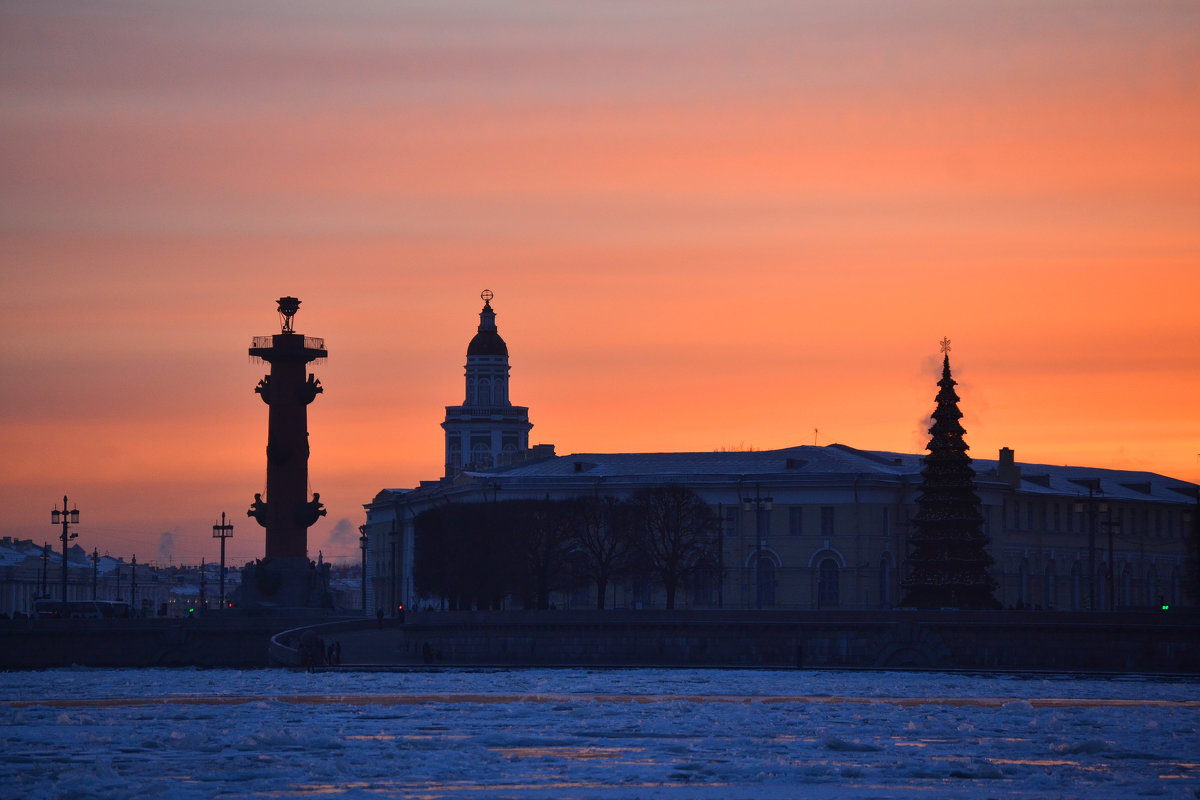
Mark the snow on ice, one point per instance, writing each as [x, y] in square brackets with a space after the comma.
[576, 733]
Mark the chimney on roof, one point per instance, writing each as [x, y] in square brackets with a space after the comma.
[1007, 469]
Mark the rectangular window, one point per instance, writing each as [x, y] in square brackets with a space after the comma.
[1058, 516]
[1029, 512]
[796, 520]
[827, 520]
[762, 525]
[731, 521]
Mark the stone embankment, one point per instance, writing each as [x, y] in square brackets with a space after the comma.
[992, 640]
[1012, 640]
[216, 640]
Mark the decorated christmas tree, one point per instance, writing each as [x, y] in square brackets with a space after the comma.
[947, 564]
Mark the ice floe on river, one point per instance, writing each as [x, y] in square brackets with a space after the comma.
[564, 733]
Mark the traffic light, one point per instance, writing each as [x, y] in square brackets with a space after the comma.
[400, 612]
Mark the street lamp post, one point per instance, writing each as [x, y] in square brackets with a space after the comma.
[133, 584]
[223, 531]
[1112, 597]
[392, 534]
[1191, 527]
[720, 557]
[203, 586]
[759, 505]
[65, 518]
[1093, 487]
[95, 570]
[362, 544]
[45, 569]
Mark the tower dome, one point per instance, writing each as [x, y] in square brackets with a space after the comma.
[487, 429]
[487, 341]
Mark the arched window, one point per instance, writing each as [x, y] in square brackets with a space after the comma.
[1100, 589]
[704, 580]
[1153, 596]
[1126, 586]
[827, 584]
[764, 570]
[485, 392]
[1051, 593]
[1076, 587]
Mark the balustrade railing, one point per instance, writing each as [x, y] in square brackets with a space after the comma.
[266, 342]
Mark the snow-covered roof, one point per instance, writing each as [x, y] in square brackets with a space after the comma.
[837, 459]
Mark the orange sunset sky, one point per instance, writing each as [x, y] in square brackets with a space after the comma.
[706, 224]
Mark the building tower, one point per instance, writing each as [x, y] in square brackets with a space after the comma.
[286, 512]
[947, 564]
[486, 429]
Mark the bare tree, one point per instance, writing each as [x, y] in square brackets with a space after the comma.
[465, 554]
[601, 545]
[542, 531]
[674, 534]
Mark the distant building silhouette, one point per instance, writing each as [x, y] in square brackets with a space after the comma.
[809, 527]
[947, 563]
[486, 430]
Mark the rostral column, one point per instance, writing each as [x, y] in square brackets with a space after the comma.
[286, 512]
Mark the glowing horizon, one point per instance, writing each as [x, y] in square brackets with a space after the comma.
[704, 230]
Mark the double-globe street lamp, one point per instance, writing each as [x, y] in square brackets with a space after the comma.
[223, 531]
[65, 518]
[763, 577]
[362, 544]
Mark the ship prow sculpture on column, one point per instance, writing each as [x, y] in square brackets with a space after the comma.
[285, 578]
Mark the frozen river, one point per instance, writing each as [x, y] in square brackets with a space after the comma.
[576, 733]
